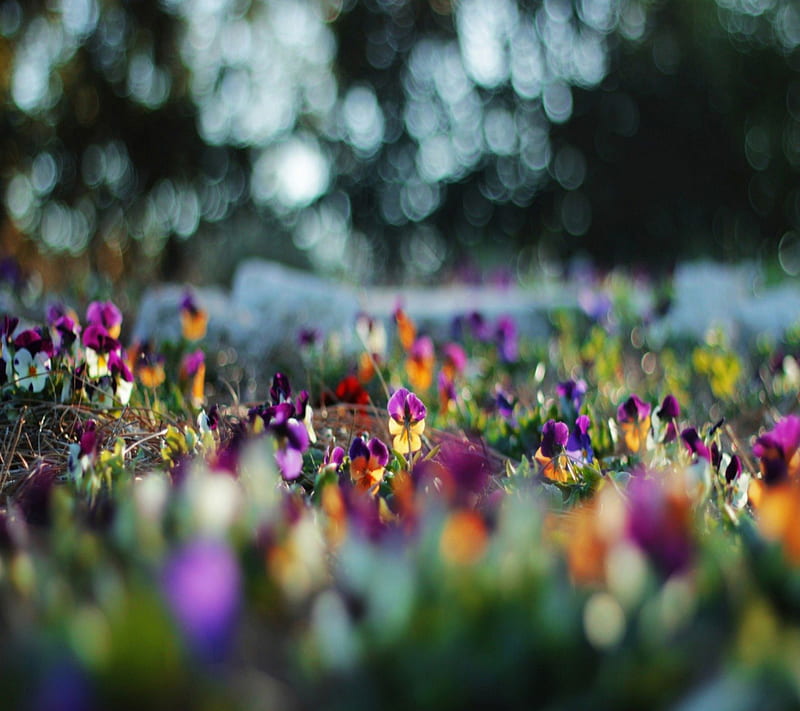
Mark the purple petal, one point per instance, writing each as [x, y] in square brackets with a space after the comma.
[98, 339]
[633, 410]
[379, 451]
[396, 405]
[333, 455]
[456, 356]
[734, 469]
[191, 362]
[103, 313]
[695, 444]
[280, 390]
[787, 433]
[414, 409]
[656, 527]
[297, 435]
[506, 336]
[669, 408]
[290, 462]
[554, 437]
[358, 448]
[422, 349]
[202, 586]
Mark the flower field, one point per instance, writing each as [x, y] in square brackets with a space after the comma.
[591, 520]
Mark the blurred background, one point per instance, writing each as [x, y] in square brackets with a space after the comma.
[396, 140]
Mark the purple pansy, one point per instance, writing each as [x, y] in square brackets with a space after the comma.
[554, 438]
[105, 314]
[34, 340]
[507, 340]
[202, 585]
[669, 412]
[695, 444]
[455, 358]
[659, 523]
[406, 421]
[98, 338]
[468, 467]
[281, 390]
[505, 404]
[406, 407]
[333, 458]
[579, 444]
[292, 438]
[734, 469]
[571, 393]
[634, 409]
[779, 450]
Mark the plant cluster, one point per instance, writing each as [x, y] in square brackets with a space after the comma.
[585, 521]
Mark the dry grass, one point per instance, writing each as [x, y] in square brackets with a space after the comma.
[37, 434]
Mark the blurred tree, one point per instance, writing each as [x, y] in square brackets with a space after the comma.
[387, 139]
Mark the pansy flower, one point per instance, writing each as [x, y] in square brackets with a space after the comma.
[148, 365]
[31, 371]
[304, 413]
[201, 582]
[332, 459]
[665, 420]
[454, 360]
[406, 421]
[579, 444]
[292, 439]
[447, 390]
[778, 451]
[194, 320]
[695, 444]
[83, 452]
[551, 454]
[350, 390]
[98, 343]
[28, 364]
[115, 387]
[368, 462]
[34, 340]
[505, 334]
[776, 496]
[193, 372]
[465, 469]
[106, 315]
[406, 330]
[280, 390]
[478, 327]
[64, 329]
[121, 376]
[420, 362]
[505, 403]
[633, 417]
[571, 394]
[659, 522]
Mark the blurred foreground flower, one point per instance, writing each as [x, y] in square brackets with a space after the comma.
[201, 583]
[660, 521]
